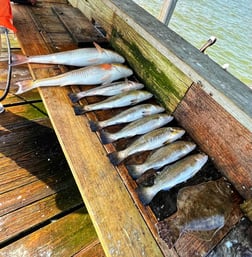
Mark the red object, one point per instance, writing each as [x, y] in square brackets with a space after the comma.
[6, 15]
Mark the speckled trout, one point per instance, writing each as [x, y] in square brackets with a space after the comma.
[138, 127]
[91, 75]
[149, 141]
[161, 157]
[107, 90]
[131, 114]
[78, 57]
[172, 175]
[124, 99]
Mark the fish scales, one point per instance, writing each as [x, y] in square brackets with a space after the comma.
[172, 175]
[131, 114]
[161, 157]
[107, 90]
[149, 141]
[91, 75]
[77, 57]
[137, 127]
[124, 99]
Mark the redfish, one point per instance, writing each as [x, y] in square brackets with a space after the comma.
[146, 142]
[78, 57]
[107, 90]
[138, 127]
[124, 99]
[91, 75]
[161, 157]
[131, 114]
[172, 175]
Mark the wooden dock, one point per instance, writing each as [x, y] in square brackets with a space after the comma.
[42, 211]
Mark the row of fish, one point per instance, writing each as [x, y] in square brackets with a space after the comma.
[99, 66]
[150, 123]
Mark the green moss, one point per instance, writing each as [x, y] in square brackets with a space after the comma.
[159, 75]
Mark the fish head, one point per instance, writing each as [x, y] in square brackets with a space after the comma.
[122, 70]
[201, 159]
[177, 132]
[113, 57]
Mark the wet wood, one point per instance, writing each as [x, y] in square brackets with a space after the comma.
[219, 135]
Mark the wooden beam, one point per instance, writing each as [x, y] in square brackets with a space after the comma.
[148, 43]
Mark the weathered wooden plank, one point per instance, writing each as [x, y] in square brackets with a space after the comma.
[220, 136]
[230, 93]
[94, 249]
[119, 225]
[42, 242]
[38, 212]
[78, 26]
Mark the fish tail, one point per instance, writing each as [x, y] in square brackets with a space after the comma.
[134, 171]
[168, 231]
[79, 110]
[74, 97]
[106, 137]
[94, 125]
[145, 194]
[115, 158]
[24, 86]
[17, 59]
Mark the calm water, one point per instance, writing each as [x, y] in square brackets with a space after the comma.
[229, 21]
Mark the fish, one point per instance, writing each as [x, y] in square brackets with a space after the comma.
[137, 127]
[202, 210]
[77, 57]
[124, 99]
[149, 141]
[131, 114]
[107, 90]
[161, 157]
[172, 175]
[97, 74]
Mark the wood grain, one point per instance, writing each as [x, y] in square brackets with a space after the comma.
[218, 134]
[119, 225]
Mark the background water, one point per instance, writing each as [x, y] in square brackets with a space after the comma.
[230, 21]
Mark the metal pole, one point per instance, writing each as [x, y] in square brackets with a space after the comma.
[167, 11]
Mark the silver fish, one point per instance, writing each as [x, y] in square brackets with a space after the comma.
[137, 127]
[78, 57]
[124, 99]
[97, 74]
[107, 90]
[149, 141]
[172, 175]
[161, 157]
[131, 114]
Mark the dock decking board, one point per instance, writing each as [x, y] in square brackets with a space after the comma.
[89, 164]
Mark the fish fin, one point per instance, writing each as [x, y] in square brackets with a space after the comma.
[94, 125]
[168, 231]
[24, 86]
[145, 194]
[114, 158]
[73, 97]
[17, 59]
[98, 47]
[106, 137]
[79, 110]
[133, 171]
